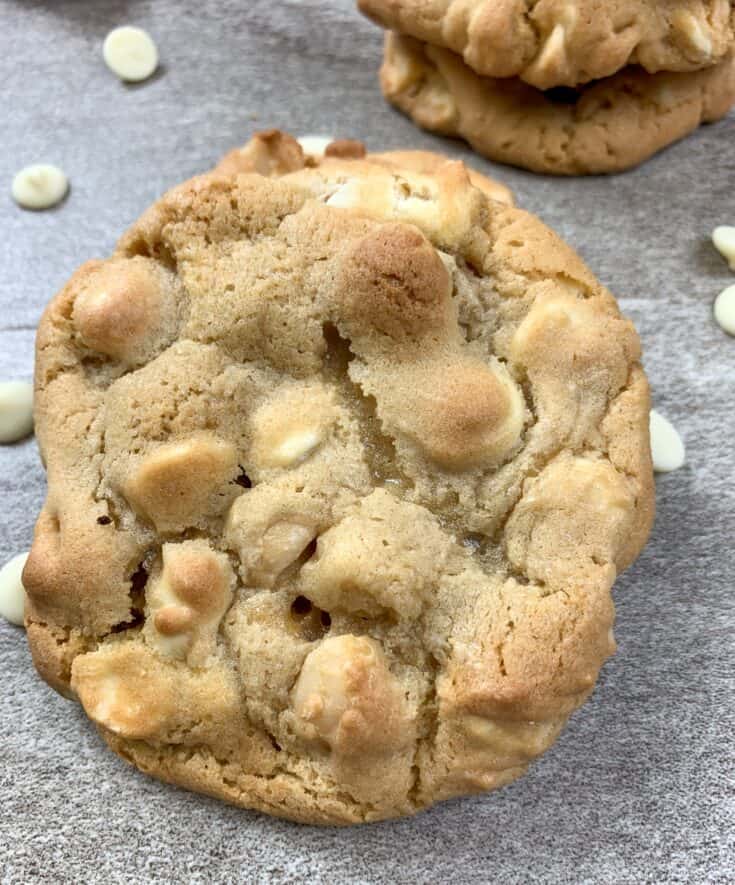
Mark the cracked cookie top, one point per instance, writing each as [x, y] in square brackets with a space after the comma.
[550, 43]
[344, 456]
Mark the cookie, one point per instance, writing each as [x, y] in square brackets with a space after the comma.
[607, 126]
[270, 153]
[566, 42]
[343, 460]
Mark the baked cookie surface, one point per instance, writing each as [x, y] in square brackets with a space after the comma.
[566, 42]
[343, 460]
[607, 126]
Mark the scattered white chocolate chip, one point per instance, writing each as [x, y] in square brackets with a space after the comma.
[315, 145]
[39, 186]
[667, 448]
[16, 410]
[724, 239]
[12, 594]
[296, 448]
[724, 310]
[130, 53]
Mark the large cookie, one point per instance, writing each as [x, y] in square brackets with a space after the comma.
[342, 465]
[607, 126]
[566, 42]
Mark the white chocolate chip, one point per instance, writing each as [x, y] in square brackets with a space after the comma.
[12, 593]
[553, 48]
[700, 39]
[667, 448]
[517, 739]
[724, 239]
[344, 680]
[103, 710]
[692, 28]
[315, 145]
[724, 310]
[186, 601]
[130, 53]
[297, 447]
[16, 410]
[283, 543]
[347, 196]
[173, 646]
[39, 186]
[291, 424]
[161, 596]
[437, 102]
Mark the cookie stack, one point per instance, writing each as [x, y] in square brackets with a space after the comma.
[570, 88]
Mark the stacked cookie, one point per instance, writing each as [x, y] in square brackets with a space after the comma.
[573, 87]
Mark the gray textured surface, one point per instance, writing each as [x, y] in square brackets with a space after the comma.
[640, 786]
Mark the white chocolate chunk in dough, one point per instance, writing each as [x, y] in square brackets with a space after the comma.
[692, 28]
[315, 145]
[724, 239]
[347, 196]
[105, 706]
[283, 543]
[12, 593]
[292, 425]
[296, 448]
[724, 310]
[667, 448]
[187, 601]
[130, 53]
[39, 186]
[16, 410]
[553, 47]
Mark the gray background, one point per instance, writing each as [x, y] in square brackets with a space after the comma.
[640, 786]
